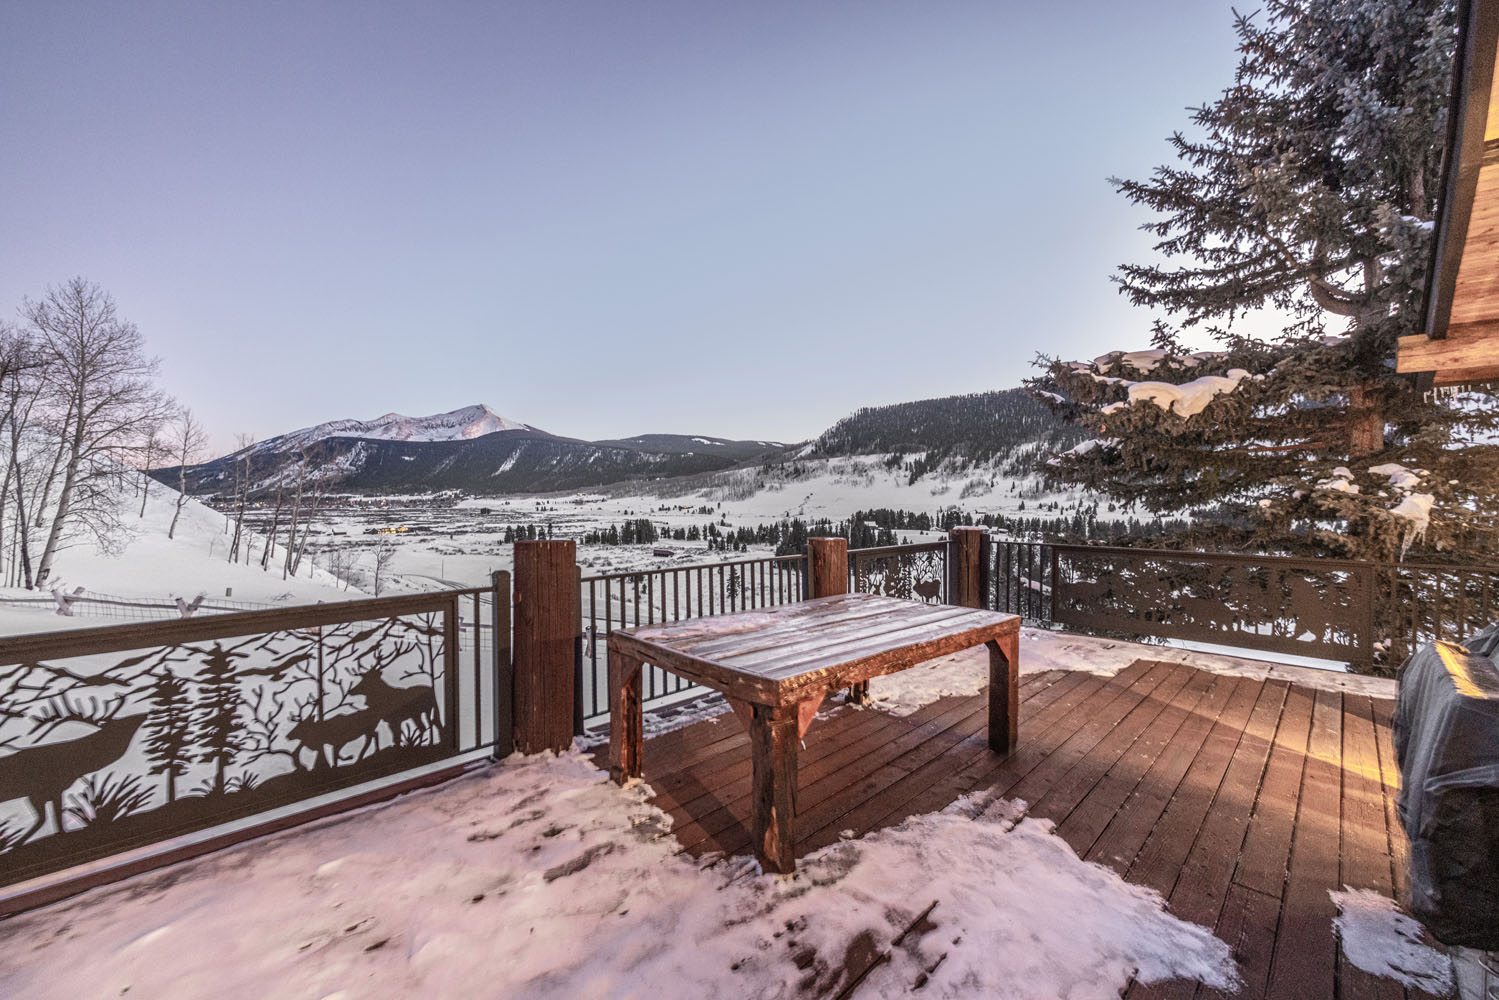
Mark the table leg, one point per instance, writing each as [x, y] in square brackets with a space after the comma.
[858, 693]
[1004, 692]
[773, 745]
[626, 724]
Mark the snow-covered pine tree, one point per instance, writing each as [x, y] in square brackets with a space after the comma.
[1309, 186]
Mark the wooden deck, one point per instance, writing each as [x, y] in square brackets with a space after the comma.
[1241, 800]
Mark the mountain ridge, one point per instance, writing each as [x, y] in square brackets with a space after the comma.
[475, 450]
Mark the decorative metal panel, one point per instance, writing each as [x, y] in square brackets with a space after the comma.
[108, 750]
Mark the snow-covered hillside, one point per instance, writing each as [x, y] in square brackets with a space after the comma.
[152, 566]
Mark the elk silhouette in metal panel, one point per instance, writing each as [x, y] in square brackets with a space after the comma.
[40, 774]
[335, 732]
[907, 577]
[396, 706]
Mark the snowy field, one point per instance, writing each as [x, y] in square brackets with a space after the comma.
[462, 545]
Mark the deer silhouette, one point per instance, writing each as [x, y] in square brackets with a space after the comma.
[334, 733]
[41, 774]
[397, 705]
[928, 590]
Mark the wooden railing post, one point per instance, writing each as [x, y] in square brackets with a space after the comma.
[968, 553]
[827, 573]
[827, 566]
[547, 613]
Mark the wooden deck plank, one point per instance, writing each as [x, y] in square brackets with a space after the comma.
[1165, 851]
[1090, 724]
[1364, 858]
[1267, 845]
[1305, 961]
[1389, 770]
[865, 771]
[847, 765]
[935, 785]
[1120, 842]
[1242, 801]
[1072, 787]
[1083, 824]
[1248, 927]
[1203, 881]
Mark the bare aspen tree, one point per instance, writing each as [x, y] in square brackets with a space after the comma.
[301, 546]
[152, 448]
[385, 552]
[242, 446]
[296, 510]
[270, 542]
[341, 564]
[21, 371]
[187, 440]
[103, 386]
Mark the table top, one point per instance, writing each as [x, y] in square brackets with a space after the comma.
[783, 654]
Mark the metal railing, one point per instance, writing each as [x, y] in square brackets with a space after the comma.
[1369, 614]
[99, 605]
[122, 736]
[1422, 602]
[646, 597]
[910, 572]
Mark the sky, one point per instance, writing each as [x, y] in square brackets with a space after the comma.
[599, 217]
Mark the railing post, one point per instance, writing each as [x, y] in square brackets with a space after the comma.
[547, 613]
[827, 566]
[504, 672]
[968, 549]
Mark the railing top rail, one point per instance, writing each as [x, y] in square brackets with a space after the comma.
[465, 591]
[1257, 560]
[141, 635]
[1232, 558]
[889, 550]
[628, 574]
[1440, 567]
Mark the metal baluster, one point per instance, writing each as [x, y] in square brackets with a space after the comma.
[478, 678]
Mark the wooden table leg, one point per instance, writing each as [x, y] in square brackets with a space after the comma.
[626, 724]
[1004, 692]
[773, 744]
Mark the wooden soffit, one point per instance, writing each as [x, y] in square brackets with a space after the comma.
[1461, 339]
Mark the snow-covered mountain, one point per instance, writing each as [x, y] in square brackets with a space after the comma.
[473, 449]
[458, 425]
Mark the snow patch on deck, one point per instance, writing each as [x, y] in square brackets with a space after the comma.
[1382, 941]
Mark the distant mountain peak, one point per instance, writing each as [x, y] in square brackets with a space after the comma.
[463, 424]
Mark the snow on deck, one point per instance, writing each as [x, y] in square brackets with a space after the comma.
[540, 878]
[967, 673]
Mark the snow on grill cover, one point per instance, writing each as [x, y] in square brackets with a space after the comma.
[1447, 743]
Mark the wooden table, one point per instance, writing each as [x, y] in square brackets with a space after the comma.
[776, 665]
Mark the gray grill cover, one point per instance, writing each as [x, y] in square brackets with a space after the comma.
[1447, 743]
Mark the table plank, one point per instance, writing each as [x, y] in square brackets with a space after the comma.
[745, 653]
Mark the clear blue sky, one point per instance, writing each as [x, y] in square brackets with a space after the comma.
[604, 218]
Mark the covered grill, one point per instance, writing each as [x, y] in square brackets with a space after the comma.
[1447, 742]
